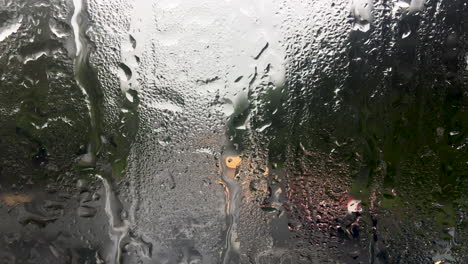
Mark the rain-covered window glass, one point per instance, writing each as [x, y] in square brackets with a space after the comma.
[233, 131]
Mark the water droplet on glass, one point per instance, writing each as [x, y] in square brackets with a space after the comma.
[9, 27]
[86, 211]
[127, 73]
[406, 34]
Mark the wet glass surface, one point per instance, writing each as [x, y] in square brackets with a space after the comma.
[179, 131]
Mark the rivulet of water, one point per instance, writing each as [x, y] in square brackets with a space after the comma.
[86, 80]
[232, 187]
[118, 227]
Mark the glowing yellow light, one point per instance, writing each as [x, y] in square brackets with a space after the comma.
[233, 162]
[14, 199]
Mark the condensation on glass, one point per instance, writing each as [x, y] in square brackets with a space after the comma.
[233, 131]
